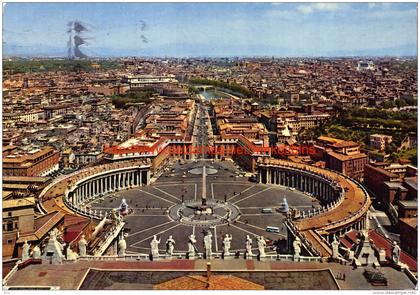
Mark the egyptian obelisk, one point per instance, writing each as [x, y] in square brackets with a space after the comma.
[203, 196]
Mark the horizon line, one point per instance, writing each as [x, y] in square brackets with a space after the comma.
[206, 56]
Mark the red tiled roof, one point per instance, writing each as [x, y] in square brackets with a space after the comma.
[342, 157]
[345, 242]
[156, 147]
[247, 143]
[345, 144]
[74, 226]
[42, 226]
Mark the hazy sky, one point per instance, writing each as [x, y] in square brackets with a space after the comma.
[317, 28]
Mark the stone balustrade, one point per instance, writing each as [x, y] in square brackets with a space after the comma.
[281, 257]
[10, 273]
[110, 237]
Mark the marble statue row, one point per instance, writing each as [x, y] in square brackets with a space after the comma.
[54, 249]
[207, 241]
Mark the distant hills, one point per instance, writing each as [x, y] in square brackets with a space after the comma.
[201, 50]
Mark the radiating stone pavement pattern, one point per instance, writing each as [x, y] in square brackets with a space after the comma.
[156, 208]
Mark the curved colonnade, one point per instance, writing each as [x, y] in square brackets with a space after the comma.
[71, 193]
[344, 201]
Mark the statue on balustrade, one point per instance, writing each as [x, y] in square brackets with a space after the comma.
[122, 246]
[226, 244]
[207, 244]
[396, 252]
[70, 254]
[335, 244]
[25, 251]
[115, 217]
[170, 245]
[261, 246]
[36, 253]
[192, 249]
[248, 246]
[297, 244]
[82, 246]
[154, 246]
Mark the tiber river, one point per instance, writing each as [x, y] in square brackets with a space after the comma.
[212, 93]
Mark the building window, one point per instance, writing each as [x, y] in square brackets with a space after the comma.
[9, 225]
[9, 214]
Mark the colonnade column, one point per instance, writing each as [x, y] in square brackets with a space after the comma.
[87, 190]
[298, 180]
[103, 180]
[139, 177]
[109, 183]
[135, 178]
[79, 195]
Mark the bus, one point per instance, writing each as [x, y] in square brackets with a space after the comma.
[267, 210]
[272, 229]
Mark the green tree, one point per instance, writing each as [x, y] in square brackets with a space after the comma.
[390, 148]
[389, 104]
[394, 157]
[400, 103]
[413, 159]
